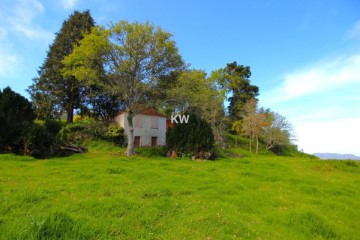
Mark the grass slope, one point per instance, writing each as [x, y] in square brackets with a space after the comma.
[105, 195]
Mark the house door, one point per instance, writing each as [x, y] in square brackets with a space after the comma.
[137, 141]
[153, 141]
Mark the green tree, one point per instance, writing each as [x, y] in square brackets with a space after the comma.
[195, 92]
[192, 137]
[52, 93]
[253, 122]
[15, 112]
[235, 80]
[134, 57]
[278, 131]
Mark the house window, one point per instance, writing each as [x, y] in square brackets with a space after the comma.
[154, 122]
[138, 121]
[153, 141]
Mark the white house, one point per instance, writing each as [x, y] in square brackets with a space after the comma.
[149, 127]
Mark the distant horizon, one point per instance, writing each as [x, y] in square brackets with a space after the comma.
[337, 156]
[305, 57]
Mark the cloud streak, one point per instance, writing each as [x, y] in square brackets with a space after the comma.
[319, 78]
[18, 24]
[322, 101]
[355, 31]
[8, 59]
[68, 4]
[22, 18]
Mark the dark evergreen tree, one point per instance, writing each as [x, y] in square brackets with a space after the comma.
[15, 112]
[239, 86]
[192, 137]
[52, 93]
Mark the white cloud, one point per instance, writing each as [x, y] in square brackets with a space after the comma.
[8, 60]
[318, 78]
[355, 31]
[23, 17]
[68, 4]
[19, 22]
[322, 102]
[342, 136]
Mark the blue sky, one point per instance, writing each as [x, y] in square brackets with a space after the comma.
[304, 55]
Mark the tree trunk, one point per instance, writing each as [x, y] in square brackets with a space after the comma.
[251, 139]
[236, 140]
[70, 113]
[130, 145]
[257, 144]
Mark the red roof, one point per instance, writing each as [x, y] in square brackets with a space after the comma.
[169, 124]
[147, 111]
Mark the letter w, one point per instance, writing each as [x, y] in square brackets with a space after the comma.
[184, 118]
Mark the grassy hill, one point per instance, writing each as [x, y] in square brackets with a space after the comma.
[105, 195]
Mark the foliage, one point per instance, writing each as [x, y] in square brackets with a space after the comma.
[115, 134]
[39, 141]
[290, 150]
[194, 92]
[53, 94]
[253, 122]
[84, 131]
[278, 131]
[190, 138]
[237, 141]
[235, 80]
[53, 126]
[15, 113]
[133, 57]
[263, 125]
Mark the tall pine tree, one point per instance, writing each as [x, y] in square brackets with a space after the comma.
[240, 87]
[51, 93]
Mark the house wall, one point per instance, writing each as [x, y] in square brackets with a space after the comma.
[145, 130]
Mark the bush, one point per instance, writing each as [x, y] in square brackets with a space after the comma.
[82, 131]
[237, 141]
[15, 112]
[53, 126]
[115, 134]
[38, 141]
[190, 138]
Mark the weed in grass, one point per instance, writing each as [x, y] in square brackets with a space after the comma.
[113, 170]
[57, 225]
[312, 225]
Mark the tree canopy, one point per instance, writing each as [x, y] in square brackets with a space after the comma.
[235, 79]
[134, 56]
[51, 92]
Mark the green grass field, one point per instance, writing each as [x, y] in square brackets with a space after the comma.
[104, 195]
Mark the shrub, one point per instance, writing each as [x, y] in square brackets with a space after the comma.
[83, 131]
[15, 111]
[53, 126]
[38, 141]
[115, 134]
[190, 138]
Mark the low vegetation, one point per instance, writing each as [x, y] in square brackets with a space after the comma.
[104, 194]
